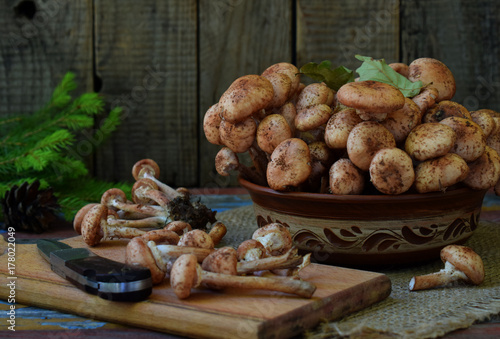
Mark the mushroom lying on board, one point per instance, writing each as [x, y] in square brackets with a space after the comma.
[225, 260]
[159, 258]
[95, 227]
[275, 238]
[186, 274]
[461, 263]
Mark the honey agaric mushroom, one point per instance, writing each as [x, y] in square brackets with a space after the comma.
[196, 238]
[179, 227]
[244, 97]
[430, 140]
[461, 263]
[401, 68]
[238, 136]
[272, 130]
[159, 258]
[312, 117]
[226, 161]
[484, 172]
[77, 220]
[250, 249]
[290, 165]
[225, 260]
[402, 121]
[391, 171]
[470, 142]
[425, 99]
[282, 88]
[161, 236]
[339, 126]
[433, 73]
[275, 238]
[211, 124]
[483, 118]
[345, 178]
[95, 227]
[149, 169]
[116, 198]
[288, 69]
[186, 274]
[366, 139]
[372, 100]
[445, 109]
[145, 191]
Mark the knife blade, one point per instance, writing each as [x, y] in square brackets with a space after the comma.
[97, 275]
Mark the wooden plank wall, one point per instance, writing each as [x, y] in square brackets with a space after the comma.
[166, 61]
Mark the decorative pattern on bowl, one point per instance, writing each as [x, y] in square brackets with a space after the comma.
[371, 230]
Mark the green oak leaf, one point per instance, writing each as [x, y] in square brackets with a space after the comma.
[323, 72]
[378, 70]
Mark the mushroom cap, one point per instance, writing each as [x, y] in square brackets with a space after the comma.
[184, 275]
[465, 260]
[113, 194]
[145, 165]
[226, 161]
[278, 239]
[272, 130]
[77, 221]
[163, 235]
[290, 70]
[315, 94]
[196, 238]
[223, 260]
[211, 123]
[92, 232]
[371, 96]
[445, 109]
[138, 253]
[282, 87]
[179, 227]
[290, 164]
[238, 136]
[312, 117]
[400, 67]
[245, 96]
[434, 73]
[250, 249]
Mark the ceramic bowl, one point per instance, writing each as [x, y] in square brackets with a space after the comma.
[370, 230]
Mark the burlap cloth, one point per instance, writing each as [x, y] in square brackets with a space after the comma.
[405, 314]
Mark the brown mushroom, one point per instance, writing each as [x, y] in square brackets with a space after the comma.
[372, 100]
[77, 220]
[275, 238]
[485, 120]
[179, 227]
[226, 161]
[159, 258]
[149, 169]
[461, 263]
[211, 124]
[250, 249]
[346, 178]
[290, 165]
[445, 109]
[484, 172]
[470, 142]
[225, 260]
[196, 238]
[238, 136]
[402, 121]
[116, 198]
[186, 274]
[95, 227]
[145, 191]
[244, 97]
[433, 73]
[339, 126]
[401, 68]
[272, 130]
[288, 69]
[391, 171]
[425, 99]
[430, 140]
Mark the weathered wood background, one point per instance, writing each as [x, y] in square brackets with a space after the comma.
[166, 61]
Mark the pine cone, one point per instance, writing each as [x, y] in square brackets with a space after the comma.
[28, 209]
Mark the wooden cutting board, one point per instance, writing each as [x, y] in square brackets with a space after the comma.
[229, 314]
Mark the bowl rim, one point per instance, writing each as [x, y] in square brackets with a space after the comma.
[368, 198]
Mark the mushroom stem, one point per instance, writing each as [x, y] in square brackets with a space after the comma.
[288, 260]
[148, 222]
[116, 198]
[149, 169]
[447, 275]
[186, 273]
[217, 232]
[145, 191]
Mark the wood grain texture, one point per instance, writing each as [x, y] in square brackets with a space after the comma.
[230, 314]
[39, 42]
[338, 30]
[146, 59]
[464, 35]
[236, 38]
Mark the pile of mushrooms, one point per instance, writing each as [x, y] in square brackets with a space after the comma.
[268, 261]
[154, 205]
[366, 135]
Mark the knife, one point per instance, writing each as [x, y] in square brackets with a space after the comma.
[91, 273]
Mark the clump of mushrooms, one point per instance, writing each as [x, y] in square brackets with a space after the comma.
[461, 264]
[279, 121]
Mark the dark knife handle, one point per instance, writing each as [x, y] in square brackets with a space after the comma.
[110, 279]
